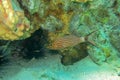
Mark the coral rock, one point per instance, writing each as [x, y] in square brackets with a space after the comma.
[13, 24]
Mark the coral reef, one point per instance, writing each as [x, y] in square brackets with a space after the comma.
[115, 37]
[99, 18]
[71, 17]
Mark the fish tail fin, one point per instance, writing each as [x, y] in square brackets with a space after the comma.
[87, 38]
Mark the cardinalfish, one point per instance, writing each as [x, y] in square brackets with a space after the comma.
[69, 41]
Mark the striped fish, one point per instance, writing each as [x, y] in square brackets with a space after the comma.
[69, 41]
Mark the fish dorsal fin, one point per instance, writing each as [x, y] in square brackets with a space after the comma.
[87, 36]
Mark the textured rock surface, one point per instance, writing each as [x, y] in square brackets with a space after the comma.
[115, 37]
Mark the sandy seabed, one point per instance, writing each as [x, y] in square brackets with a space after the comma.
[50, 68]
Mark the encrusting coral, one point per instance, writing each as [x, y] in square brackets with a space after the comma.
[13, 23]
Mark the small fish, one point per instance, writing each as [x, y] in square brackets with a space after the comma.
[69, 41]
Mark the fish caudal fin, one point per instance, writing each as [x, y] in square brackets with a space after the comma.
[87, 38]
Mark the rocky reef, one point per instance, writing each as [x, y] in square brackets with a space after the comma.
[68, 17]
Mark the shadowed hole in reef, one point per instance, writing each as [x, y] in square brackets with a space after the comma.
[3, 61]
[4, 51]
[34, 46]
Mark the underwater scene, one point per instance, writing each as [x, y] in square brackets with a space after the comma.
[59, 39]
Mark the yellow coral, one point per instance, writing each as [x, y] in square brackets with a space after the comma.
[62, 15]
[13, 24]
[107, 51]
